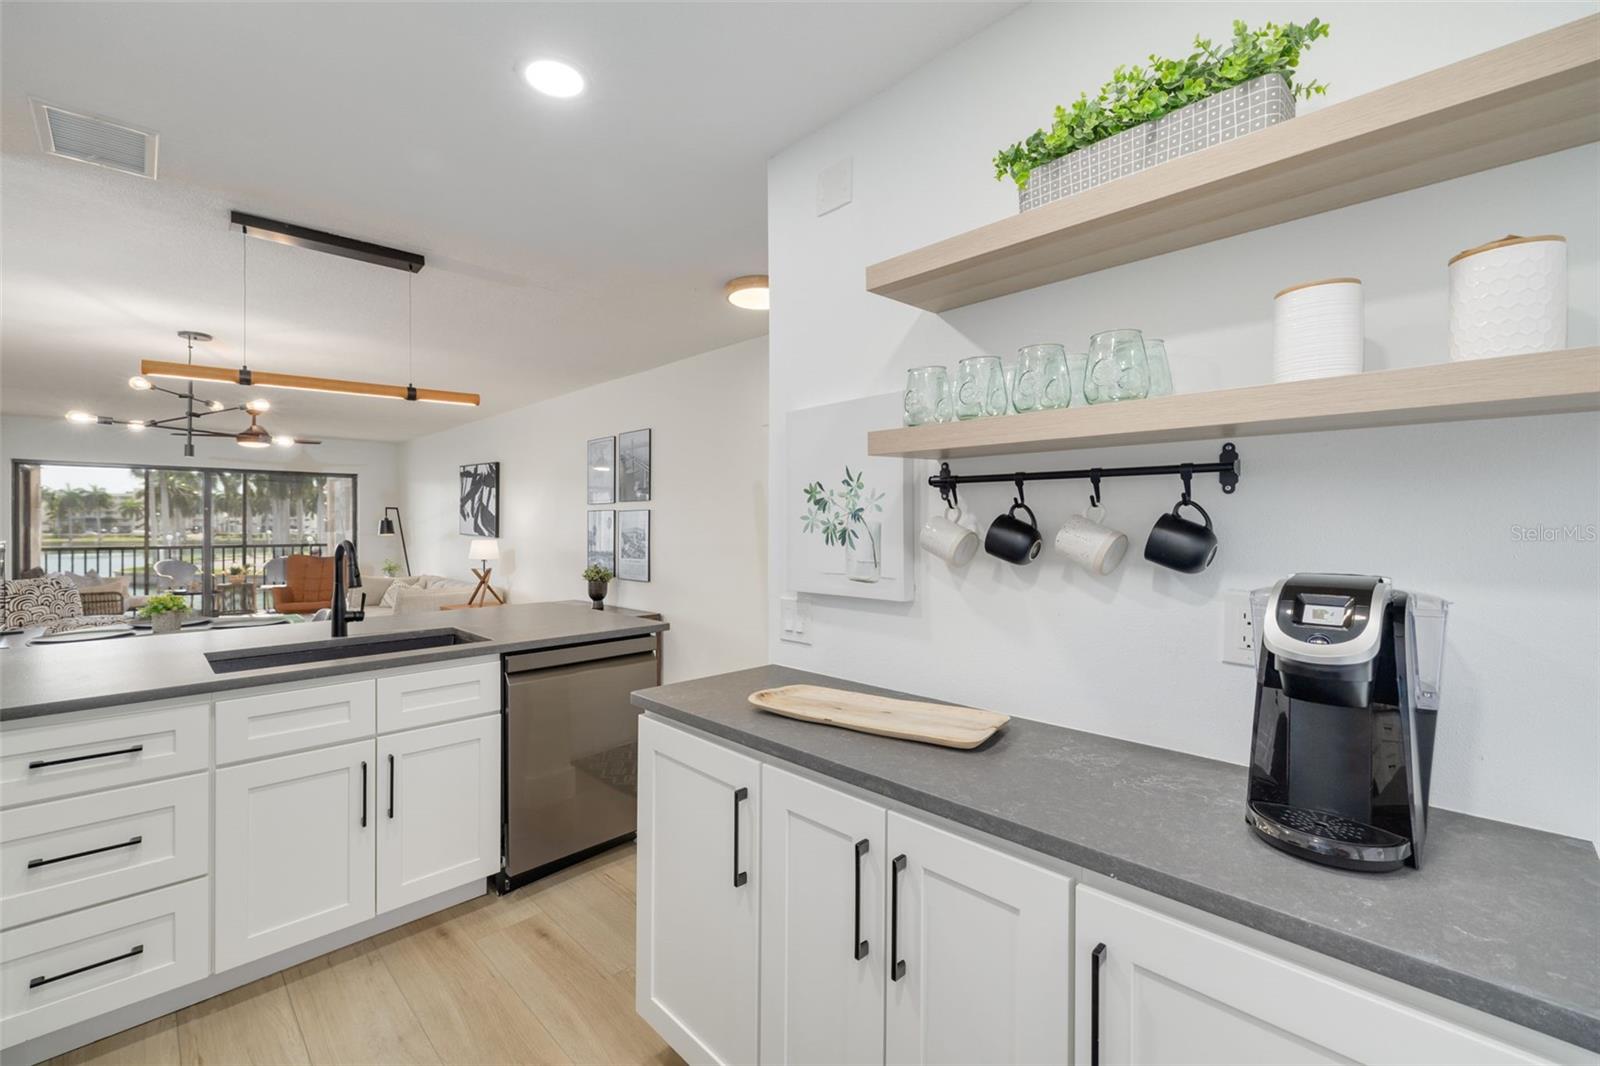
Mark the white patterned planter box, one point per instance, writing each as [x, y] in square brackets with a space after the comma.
[1243, 109]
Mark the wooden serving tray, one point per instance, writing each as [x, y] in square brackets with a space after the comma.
[931, 723]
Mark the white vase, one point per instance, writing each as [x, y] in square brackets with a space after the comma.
[1509, 297]
[863, 559]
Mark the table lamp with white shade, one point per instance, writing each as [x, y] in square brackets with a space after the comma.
[486, 551]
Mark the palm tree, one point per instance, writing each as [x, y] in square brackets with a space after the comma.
[96, 501]
[131, 509]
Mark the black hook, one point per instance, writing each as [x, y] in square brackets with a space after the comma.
[1020, 501]
[1186, 471]
[1094, 482]
[947, 489]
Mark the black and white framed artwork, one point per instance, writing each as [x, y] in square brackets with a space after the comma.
[480, 500]
[602, 542]
[633, 466]
[633, 545]
[602, 462]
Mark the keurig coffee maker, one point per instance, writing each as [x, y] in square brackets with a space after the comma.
[1347, 693]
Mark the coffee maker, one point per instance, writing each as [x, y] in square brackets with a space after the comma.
[1347, 694]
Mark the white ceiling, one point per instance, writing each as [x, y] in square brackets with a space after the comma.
[568, 242]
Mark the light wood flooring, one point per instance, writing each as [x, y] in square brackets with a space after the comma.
[543, 975]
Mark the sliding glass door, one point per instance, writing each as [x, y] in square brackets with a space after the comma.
[218, 528]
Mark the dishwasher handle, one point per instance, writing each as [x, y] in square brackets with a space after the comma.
[580, 653]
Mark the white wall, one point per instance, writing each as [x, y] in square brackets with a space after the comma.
[708, 551]
[376, 464]
[1435, 507]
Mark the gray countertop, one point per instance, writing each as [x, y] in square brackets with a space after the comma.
[1501, 918]
[50, 679]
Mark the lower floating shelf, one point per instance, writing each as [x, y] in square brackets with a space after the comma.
[1518, 385]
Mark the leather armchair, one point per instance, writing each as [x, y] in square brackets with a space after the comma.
[307, 587]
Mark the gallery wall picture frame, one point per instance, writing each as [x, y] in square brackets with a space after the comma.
[633, 545]
[601, 543]
[633, 466]
[601, 461]
[479, 510]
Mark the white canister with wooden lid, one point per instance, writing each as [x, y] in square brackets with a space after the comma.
[1318, 330]
[1509, 297]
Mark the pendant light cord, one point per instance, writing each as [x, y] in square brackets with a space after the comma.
[244, 299]
[411, 355]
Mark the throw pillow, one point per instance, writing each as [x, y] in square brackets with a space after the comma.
[392, 593]
[39, 601]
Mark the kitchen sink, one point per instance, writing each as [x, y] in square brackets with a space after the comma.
[233, 661]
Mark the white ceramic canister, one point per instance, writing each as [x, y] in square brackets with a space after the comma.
[1509, 297]
[1318, 330]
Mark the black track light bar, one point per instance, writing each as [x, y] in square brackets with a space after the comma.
[320, 241]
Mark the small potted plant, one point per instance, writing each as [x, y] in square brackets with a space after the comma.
[236, 574]
[165, 612]
[598, 578]
[391, 568]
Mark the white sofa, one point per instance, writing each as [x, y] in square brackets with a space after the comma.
[410, 595]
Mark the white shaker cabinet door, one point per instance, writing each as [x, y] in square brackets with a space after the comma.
[699, 883]
[1171, 992]
[980, 953]
[438, 809]
[295, 856]
[823, 950]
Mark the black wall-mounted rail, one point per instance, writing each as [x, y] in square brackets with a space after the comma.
[1226, 468]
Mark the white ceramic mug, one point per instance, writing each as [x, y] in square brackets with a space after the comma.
[1087, 541]
[950, 539]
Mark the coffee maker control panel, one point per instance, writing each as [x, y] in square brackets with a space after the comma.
[1331, 619]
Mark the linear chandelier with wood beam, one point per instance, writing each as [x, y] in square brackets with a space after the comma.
[161, 368]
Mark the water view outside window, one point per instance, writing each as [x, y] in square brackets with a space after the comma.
[228, 525]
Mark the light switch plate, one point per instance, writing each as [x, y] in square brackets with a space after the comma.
[794, 618]
[835, 186]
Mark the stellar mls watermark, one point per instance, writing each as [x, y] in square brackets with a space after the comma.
[1540, 533]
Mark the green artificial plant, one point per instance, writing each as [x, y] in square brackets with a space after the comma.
[597, 573]
[167, 603]
[1138, 94]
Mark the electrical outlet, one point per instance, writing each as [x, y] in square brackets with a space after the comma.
[1238, 628]
[794, 616]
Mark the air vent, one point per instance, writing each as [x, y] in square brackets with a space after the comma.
[91, 139]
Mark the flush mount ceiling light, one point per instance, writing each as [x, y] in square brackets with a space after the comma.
[194, 408]
[749, 292]
[553, 78]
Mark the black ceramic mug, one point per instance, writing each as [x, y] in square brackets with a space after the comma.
[1012, 539]
[1181, 544]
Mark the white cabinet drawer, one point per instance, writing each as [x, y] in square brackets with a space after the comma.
[428, 697]
[61, 971]
[276, 723]
[70, 853]
[72, 753]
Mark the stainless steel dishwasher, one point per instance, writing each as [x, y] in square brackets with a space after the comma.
[571, 751]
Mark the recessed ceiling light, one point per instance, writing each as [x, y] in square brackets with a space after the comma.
[749, 292]
[553, 78]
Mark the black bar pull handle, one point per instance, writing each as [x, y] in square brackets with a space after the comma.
[739, 876]
[860, 945]
[363, 793]
[391, 787]
[1095, 958]
[34, 864]
[39, 764]
[138, 949]
[897, 965]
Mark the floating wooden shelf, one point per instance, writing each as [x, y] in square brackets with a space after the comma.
[1549, 383]
[1527, 99]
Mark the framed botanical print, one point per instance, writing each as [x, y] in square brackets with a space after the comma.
[633, 545]
[602, 462]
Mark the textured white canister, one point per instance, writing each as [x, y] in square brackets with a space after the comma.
[1509, 297]
[1318, 330]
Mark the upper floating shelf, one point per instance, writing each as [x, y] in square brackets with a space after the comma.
[1529, 98]
[1548, 383]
